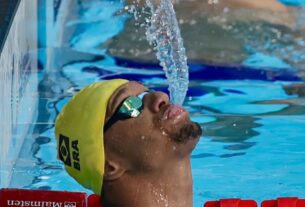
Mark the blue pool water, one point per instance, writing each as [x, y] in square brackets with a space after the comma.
[254, 124]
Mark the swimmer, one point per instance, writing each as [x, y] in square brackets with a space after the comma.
[128, 144]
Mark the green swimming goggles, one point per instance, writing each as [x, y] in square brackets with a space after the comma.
[130, 108]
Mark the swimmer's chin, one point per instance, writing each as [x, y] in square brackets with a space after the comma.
[188, 133]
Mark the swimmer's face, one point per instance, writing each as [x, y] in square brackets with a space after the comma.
[160, 134]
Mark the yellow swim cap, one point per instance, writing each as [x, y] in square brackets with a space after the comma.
[79, 133]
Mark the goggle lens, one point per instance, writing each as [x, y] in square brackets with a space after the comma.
[130, 108]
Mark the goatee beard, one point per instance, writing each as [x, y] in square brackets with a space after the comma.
[188, 132]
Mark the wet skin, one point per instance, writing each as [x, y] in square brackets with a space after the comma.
[150, 153]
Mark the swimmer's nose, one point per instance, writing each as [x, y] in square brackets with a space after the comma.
[156, 100]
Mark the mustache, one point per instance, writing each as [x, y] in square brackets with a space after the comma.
[189, 132]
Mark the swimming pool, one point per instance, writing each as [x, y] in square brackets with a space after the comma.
[253, 144]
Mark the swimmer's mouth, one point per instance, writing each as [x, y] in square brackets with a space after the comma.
[173, 112]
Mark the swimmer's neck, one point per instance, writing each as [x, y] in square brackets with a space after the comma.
[171, 188]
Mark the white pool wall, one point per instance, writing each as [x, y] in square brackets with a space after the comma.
[18, 86]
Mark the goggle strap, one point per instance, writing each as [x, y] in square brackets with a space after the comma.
[141, 95]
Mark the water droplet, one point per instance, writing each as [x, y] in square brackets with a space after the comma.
[164, 133]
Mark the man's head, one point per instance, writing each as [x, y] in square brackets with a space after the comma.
[142, 143]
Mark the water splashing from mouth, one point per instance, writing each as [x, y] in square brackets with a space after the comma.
[163, 34]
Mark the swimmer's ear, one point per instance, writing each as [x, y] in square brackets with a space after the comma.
[113, 171]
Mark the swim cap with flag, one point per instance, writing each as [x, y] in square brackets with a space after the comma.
[79, 133]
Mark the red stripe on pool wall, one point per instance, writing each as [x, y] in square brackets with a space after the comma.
[287, 202]
[46, 198]
[94, 201]
[231, 203]
[269, 203]
[41, 198]
[284, 202]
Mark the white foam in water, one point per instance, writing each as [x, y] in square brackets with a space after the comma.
[163, 34]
